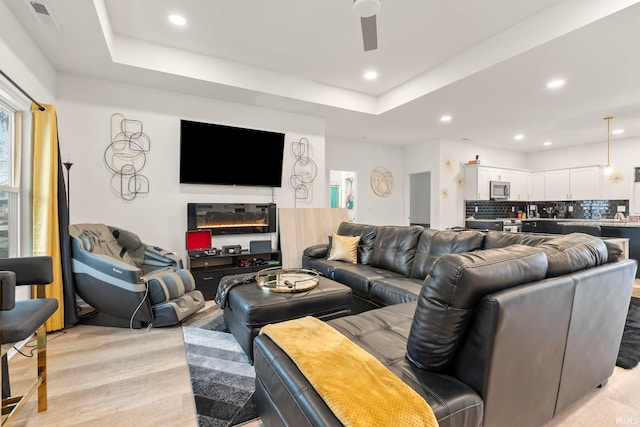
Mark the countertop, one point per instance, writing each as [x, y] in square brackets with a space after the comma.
[576, 221]
[600, 222]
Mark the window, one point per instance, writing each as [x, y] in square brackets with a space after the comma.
[9, 181]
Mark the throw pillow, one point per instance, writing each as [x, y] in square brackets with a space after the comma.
[344, 248]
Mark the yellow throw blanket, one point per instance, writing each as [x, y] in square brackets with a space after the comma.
[359, 389]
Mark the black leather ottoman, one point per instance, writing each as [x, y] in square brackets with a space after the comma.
[249, 308]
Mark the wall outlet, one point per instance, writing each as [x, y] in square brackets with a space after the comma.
[622, 208]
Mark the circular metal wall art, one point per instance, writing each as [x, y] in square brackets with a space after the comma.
[381, 181]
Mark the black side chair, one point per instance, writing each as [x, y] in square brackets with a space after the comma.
[21, 319]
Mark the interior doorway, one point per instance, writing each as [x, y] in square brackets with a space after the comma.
[420, 199]
[343, 192]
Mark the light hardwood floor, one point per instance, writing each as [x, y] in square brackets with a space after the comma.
[102, 376]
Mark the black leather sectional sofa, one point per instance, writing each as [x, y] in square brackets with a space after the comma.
[492, 329]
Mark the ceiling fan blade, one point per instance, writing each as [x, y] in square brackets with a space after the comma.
[369, 33]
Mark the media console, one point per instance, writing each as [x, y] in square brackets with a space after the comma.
[207, 270]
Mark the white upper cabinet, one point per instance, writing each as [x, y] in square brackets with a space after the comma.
[521, 186]
[537, 186]
[476, 182]
[556, 185]
[477, 179]
[584, 183]
[572, 184]
[617, 186]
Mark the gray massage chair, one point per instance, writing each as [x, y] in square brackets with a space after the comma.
[124, 282]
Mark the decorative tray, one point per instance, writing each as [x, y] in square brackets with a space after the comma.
[277, 279]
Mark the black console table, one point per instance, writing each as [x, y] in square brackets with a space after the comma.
[207, 270]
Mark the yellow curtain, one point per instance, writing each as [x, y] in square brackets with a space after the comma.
[46, 236]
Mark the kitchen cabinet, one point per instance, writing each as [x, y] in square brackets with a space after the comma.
[500, 175]
[615, 187]
[537, 186]
[584, 183]
[521, 186]
[477, 179]
[479, 224]
[529, 226]
[557, 185]
[571, 184]
[476, 182]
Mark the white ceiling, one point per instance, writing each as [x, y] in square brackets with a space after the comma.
[486, 63]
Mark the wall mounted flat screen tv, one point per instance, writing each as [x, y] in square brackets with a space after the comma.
[226, 155]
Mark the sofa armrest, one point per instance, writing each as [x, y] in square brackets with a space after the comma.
[317, 251]
[513, 355]
[158, 257]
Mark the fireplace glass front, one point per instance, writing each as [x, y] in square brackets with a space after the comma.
[232, 218]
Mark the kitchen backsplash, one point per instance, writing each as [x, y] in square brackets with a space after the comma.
[578, 209]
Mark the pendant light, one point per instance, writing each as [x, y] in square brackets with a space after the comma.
[608, 169]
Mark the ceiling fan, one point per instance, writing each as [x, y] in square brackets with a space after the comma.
[367, 10]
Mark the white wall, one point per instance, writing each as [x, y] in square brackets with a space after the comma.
[23, 61]
[422, 157]
[623, 154]
[85, 107]
[445, 159]
[363, 158]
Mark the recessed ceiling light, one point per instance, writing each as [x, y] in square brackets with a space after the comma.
[177, 20]
[371, 75]
[519, 137]
[445, 118]
[555, 83]
[617, 131]
[547, 143]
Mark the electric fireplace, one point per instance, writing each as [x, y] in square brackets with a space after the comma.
[232, 218]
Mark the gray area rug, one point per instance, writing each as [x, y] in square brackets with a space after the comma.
[629, 354]
[222, 379]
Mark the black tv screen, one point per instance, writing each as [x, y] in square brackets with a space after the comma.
[226, 155]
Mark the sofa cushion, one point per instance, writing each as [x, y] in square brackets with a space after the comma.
[359, 277]
[394, 290]
[453, 288]
[573, 252]
[344, 248]
[321, 265]
[367, 235]
[502, 239]
[615, 249]
[434, 243]
[395, 248]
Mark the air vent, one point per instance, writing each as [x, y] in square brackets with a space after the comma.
[44, 14]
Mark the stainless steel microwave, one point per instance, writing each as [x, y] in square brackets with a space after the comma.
[499, 190]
